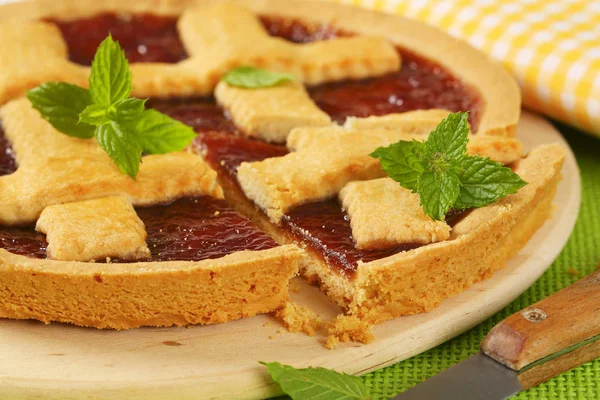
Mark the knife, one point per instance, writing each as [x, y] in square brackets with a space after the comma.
[552, 336]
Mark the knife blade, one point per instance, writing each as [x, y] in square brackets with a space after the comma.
[552, 336]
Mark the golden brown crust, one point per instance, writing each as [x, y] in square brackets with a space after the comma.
[383, 214]
[97, 229]
[239, 285]
[499, 92]
[68, 169]
[270, 113]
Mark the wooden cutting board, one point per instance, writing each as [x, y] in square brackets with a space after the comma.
[65, 362]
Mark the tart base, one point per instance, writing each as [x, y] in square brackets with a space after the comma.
[123, 296]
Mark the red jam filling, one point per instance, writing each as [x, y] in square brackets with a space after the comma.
[201, 228]
[8, 164]
[143, 37]
[325, 228]
[220, 142]
[189, 229]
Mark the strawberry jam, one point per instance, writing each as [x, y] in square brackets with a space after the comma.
[143, 37]
[325, 228]
[8, 164]
[190, 229]
[220, 142]
[198, 229]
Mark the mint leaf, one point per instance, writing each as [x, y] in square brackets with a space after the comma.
[317, 383]
[484, 181]
[251, 78]
[117, 143]
[110, 77]
[158, 133]
[60, 103]
[402, 162]
[450, 137]
[94, 114]
[437, 192]
[441, 172]
[126, 110]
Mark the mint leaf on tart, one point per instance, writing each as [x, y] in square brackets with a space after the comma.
[484, 181]
[253, 78]
[441, 172]
[126, 153]
[121, 125]
[61, 104]
[110, 77]
[317, 383]
[160, 134]
[402, 162]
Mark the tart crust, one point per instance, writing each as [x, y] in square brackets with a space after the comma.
[123, 296]
[498, 90]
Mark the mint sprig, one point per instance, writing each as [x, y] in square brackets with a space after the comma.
[253, 78]
[121, 125]
[317, 383]
[443, 175]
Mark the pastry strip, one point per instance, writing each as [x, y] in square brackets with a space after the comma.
[383, 214]
[96, 229]
[66, 169]
[270, 113]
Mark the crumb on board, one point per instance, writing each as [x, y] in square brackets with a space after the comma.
[345, 328]
[298, 318]
[572, 272]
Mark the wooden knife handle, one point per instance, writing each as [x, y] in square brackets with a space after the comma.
[554, 335]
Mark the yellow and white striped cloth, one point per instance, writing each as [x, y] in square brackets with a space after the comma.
[551, 46]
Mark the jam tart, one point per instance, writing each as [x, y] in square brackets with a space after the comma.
[278, 181]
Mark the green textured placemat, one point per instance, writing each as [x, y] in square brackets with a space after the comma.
[580, 257]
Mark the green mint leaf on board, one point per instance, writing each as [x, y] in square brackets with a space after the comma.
[60, 104]
[252, 78]
[117, 143]
[110, 77]
[121, 125]
[441, 172]
[159, 134]
[317, 383]
[402, 162]
[484, 181]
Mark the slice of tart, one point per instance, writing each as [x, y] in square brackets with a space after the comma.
[291, 158]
